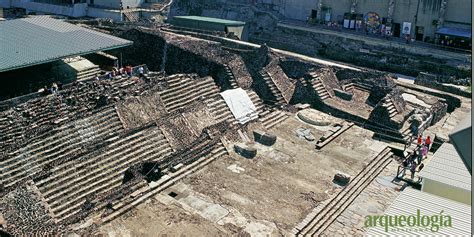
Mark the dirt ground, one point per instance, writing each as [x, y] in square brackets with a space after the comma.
[266, 195]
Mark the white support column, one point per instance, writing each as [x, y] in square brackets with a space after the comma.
[354, 6]
[391, 8]
[319, 3]
[442, 13]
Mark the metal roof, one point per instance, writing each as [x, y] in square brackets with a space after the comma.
[466, 33]
[461, 138]
[36, 40]
[410, 200]
[212, 20]
[447, 167]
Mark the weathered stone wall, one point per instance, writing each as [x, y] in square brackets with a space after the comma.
[146, 49]
[135, 112]
[242, 75]
[295, 68]
[385, 58]
[329, 79]
[436, 82]
[178, 132]
[198, 117]
[283, 83]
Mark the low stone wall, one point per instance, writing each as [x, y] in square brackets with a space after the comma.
[432, 81]
[343, 94]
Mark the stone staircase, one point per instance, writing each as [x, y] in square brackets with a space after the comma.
[221, 111]
[257, 102]
[70, 183]
[88, 73]
[30, 119]
[230, 76]
[184, 90]
[388, 104]
[327, 212]
[196, 162]
[271, 119]
[318, 86]
[273, 88]
[62, 143]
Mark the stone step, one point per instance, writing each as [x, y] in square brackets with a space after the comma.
[273, 118]
[179, 95]
[68, 169]
[50, 191]
[190, 98]
[176, 91]
[55, 153]
[166, 182]
[108, 180]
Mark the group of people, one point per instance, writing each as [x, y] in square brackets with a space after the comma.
[420, 153]
[123, 71]
[55, 87]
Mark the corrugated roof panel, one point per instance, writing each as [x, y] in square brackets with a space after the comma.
[31, 41]
[411, 200]
[461, 138]
[447, 167]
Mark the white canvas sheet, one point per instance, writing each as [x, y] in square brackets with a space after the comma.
[240, 105]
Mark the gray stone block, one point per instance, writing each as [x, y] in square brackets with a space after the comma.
[264, 138]
[245, 150]
[341, 178]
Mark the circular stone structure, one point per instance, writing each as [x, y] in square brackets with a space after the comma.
[315, 117]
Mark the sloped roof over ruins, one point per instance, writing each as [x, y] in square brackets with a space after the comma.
[31, 41]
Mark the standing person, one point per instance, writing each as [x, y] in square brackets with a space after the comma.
[420, 154]
[428, 142]
[414, 129]
[426, 146]
[141, 71]
[419, 140]
[413, 156]
[412, 170]
[129, 70]
[54, 88]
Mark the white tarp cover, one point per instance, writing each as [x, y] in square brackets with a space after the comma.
[240, 105]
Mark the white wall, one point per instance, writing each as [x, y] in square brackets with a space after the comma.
[108, 3]
[116, 3]
[456, 13]
[299, 9]
[446, 191]
[104, 13]
[78, 10]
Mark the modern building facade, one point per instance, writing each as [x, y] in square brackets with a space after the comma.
[118, 10]
[423, 20]
[237, 28]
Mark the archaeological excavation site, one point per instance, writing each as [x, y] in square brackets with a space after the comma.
[163, 130]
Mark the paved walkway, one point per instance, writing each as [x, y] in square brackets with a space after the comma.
[413, 47]
[297, 55]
